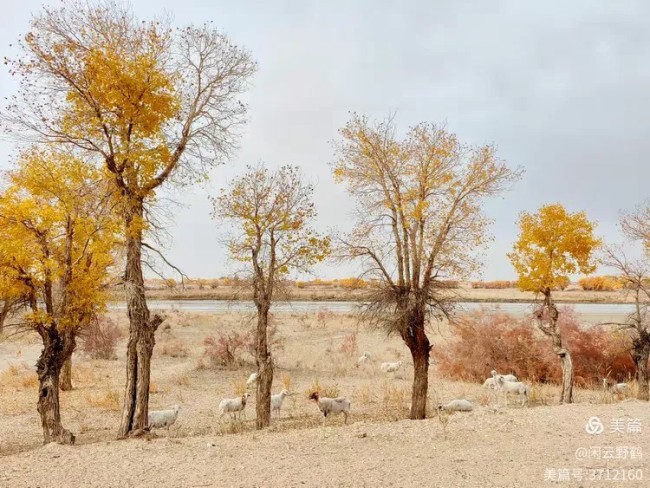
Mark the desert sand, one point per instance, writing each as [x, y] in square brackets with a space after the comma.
[493, 446]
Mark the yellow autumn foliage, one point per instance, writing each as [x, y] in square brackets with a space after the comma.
[553, 244]
[58, 237]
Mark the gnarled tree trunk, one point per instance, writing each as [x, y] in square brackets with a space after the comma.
[141, 331]
[640, 354]
[4, 312]
[567, 375]
[417, 341]
[66, 375]
[264, 367]
[48, 368]
[547, 321]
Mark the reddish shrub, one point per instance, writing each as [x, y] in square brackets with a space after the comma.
[349, 345]
[596, 351]
[226, 349]
[486, 341]
[99, 339]
[230, 350]
[323, 316]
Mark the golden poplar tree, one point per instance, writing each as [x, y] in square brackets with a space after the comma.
[58, 234]
[147, 103]
[552, 245]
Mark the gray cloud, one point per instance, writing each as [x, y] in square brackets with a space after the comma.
[560, 87]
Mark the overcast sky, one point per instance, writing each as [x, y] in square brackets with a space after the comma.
[561, 88]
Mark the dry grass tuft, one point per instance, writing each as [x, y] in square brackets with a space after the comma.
[394, 399]
[239, 387]
[18, 377]
[366, 395]
[183, 379]
[286, 381]
[331, 391]
[542, 394]
[105, 401]
[174, 349]
[153, 387]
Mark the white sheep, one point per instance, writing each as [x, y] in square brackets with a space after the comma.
[610, 385]
[332, 406]
[457, 406]
[251, 380]
[391, 367]
[158, 419]
[276, 401]
[513, 387]
[233, 406]
[490, 384]
[507, 377]
[363, 359]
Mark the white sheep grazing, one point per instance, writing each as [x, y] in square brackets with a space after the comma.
[513, 387]
[391, 367]
[332, 406]
[363, 359]
[457, 406]
[251, 380]
[158, 419]
[233, 406]
[276, 401]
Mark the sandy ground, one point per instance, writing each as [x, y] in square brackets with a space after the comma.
[490, 447]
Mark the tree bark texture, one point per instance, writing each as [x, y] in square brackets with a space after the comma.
[142, 328]
[66, 375]
[4, 312]
[264, 367]
[640, 354]
[48, 368]
[415, 337]
[547, 321]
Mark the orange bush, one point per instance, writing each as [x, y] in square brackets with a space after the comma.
[352, 283]
[486, 341]
[600, 283]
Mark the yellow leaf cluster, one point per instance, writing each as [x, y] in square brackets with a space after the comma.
[58, 238]
[553, 244]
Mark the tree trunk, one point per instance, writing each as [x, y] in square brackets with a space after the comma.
[567, 376]
[4, 312]
[640, 353]
[66, 375]
[417, 341]
[264, 367]
[48, 369]
[142, 330]
[547, 317]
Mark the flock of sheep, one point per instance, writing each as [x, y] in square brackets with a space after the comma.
[508, 383]
[236, 407]
[497, 384]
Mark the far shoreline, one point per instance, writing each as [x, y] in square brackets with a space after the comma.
[466, 295]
